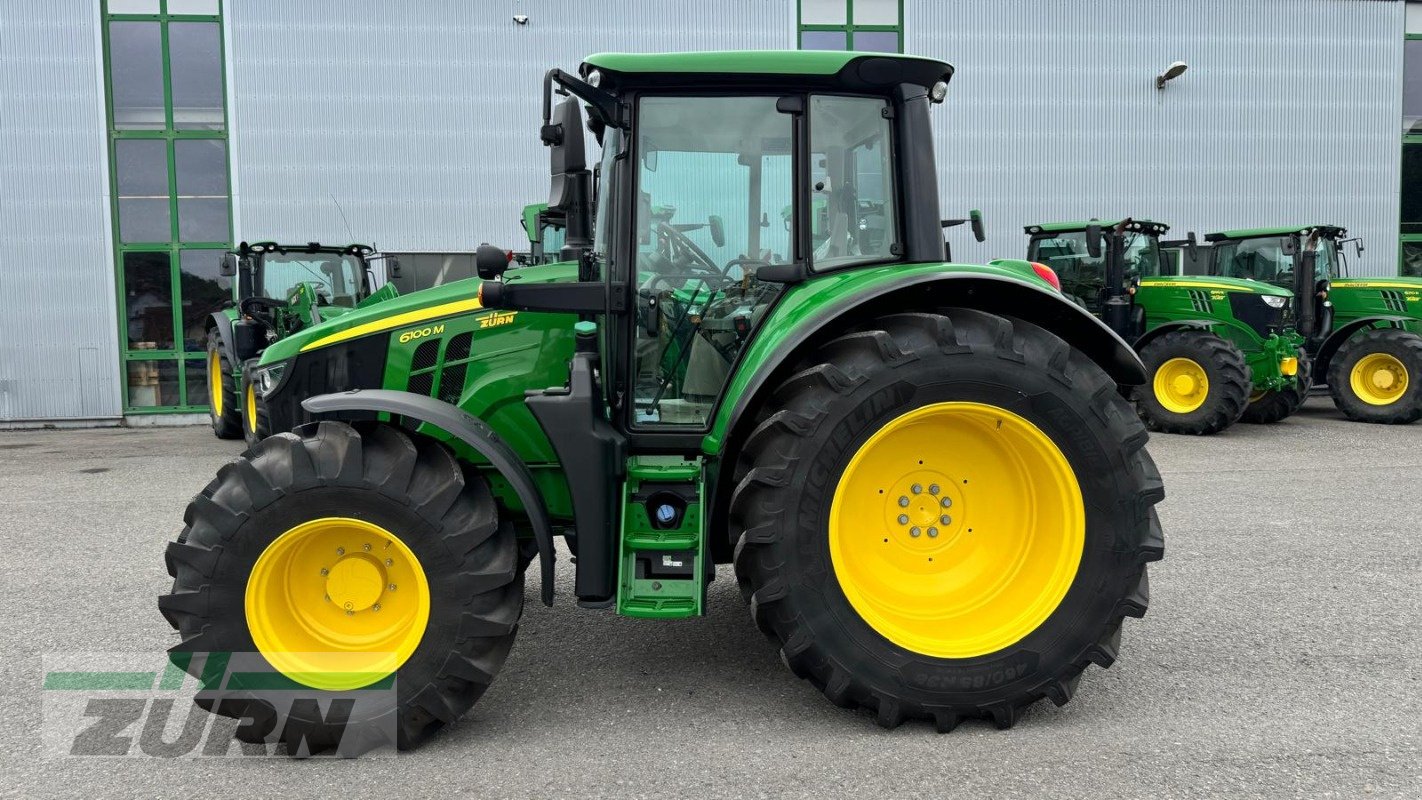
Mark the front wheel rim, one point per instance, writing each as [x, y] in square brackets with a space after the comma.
[214, 381]
[337, 603]
[1181, 385]
[251, 408]
[1379, 379]
[956, 529]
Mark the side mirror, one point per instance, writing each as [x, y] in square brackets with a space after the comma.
[975, 219]
[1192, 244]
[1289, 245]
[490, 261]
[649, 159]
[718, 229]
[229, 265]
[392, 268]
[1093, 240]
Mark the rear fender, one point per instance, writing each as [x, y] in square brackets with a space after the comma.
[1336, 340]
[473, 432]
[926, 291]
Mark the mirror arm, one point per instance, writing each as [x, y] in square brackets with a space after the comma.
[603, 105]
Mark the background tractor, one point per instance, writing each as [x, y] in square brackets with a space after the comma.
[1216, 350]
[546, 230]
[278, 290]
[938, 504]
[1364, 334]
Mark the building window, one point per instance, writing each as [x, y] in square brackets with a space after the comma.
[874, 25]
[172, 216]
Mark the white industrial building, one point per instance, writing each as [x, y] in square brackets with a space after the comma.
[141, 138]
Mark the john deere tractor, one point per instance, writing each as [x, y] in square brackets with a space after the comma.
[1216, 350]
[546, 230]
[279, 290]
[938, 504]
[1364, 334]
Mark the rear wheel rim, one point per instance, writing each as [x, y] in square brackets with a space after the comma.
[957, 529]
[1379, 379]
[214, 381]
[1181, 385]
[337, 603]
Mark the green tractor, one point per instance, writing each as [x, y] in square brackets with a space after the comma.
[278, 290]
[1364, 334]
[1216, 350]
[546, 231]
[938, 504]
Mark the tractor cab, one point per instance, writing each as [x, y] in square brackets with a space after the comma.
[1304, 260]
[1100, 264]
[284, 288]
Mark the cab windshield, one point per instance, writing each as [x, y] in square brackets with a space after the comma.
[1263, 259]
[1084, 277]
[338, 278]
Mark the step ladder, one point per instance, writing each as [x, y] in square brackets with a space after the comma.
[662, 557]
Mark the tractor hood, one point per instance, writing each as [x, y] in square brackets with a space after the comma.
[459, 297]
[1218, 284]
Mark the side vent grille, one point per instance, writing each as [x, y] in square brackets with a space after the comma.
[1394, 301]
[458, 348]
[426, 355]
[451, 383]
[421, 384]
[1200, 301]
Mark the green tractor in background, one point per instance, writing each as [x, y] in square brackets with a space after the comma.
[278, 290]
[1364, 334]
[546, 229]
[937, 502]
[1216, 350]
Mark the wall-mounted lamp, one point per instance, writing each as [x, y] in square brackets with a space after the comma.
[1175, 70]
[521, 19]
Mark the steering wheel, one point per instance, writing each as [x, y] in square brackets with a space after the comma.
[260, 308]
[682, 243]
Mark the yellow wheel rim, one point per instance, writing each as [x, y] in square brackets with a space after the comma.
[251, 408]
[1181, 385]
[214, 381]
[957, 529]
[337, 603]
[1379, 379]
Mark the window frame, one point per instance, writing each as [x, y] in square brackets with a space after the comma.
[848, 28]
[1405, 236]
[177, 355]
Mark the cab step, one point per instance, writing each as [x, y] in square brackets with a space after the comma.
[661, 569]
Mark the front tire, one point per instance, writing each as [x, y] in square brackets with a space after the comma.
[256, 423]
[1049, 482]
[1198, 383]
[1276, 406]
[357, 514]
[1376, 376]
[224, 407]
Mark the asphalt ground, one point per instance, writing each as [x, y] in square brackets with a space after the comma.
[1282, 655]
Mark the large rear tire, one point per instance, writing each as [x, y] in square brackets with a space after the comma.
[420, 581]
[1376, 376]
[985, 443]
[224, 406]
[1276, 406]
[1198, 383]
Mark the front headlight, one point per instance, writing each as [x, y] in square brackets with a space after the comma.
[1275, 301]
[267, 378]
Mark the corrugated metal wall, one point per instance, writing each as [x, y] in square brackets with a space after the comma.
[1290, 113]
[420, 120]
[58, 334]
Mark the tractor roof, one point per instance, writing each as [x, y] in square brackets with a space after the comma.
[809, 68]
[353, 249]
[1328, 231]
[1137, 225]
